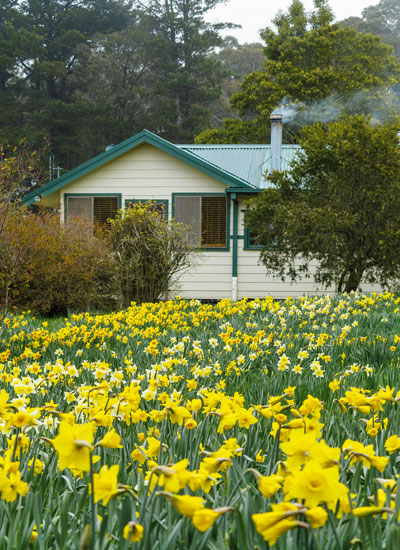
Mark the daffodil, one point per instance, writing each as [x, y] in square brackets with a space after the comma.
[112, 440]
[73, 445]
[172, 478]
[392, 444]
[357, 452]
[314, 485]
[204, 518]
[105, 484]
[271, 525]
[133, 532]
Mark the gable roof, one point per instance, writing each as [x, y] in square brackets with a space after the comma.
[202, 164]
[248, 162]
[241, 167]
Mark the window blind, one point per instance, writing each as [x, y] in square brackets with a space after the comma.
[206, 216]
[188, 212]
[80, 207]
[213, 222]
[104, 208]
[92, 209]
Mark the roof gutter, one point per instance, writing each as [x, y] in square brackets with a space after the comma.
[242, 191]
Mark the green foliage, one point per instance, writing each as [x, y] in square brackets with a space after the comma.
[339, 205]
[238, 60]
[309, 58]
[149, 252]
[383, 20]
[188, 77]
[45, 41]
[88, 74]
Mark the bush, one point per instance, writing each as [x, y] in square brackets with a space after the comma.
[50, 267]
[149, 252]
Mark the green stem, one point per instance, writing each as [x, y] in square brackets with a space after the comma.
[92, 508]
[15, 444]
[331, 523]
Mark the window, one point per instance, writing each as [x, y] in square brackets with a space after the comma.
[250, 240]
[160, 206]
[96, 209]
[206, 216]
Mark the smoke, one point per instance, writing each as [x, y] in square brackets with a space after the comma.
[381, 105]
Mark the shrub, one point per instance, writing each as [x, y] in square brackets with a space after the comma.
[50, 267]
[149, 252]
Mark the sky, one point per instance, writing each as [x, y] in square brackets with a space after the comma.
[257, 14]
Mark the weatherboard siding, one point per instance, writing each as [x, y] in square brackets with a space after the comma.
[144, 173]
[253, 280]
[148, 173]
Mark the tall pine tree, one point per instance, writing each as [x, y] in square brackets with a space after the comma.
[43, 43]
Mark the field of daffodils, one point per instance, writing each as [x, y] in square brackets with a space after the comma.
[191, 426]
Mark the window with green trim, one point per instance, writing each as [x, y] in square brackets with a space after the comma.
[207, 218]
[250, 240]
[92, 209]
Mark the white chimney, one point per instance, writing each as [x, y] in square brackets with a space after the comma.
[276, 141]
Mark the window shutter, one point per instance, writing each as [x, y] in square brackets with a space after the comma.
[187, 211]
[104, 208]
[213, 218]
[80, 207]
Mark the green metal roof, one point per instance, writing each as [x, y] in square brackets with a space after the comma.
[250, 163]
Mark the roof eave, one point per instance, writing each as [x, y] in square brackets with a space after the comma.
[142, 137]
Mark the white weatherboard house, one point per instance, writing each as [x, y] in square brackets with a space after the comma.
[203, 186]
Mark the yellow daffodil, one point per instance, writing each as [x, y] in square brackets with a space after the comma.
[105, 484]
[73, 445]
[133, 532]
[314, 485]
[112, 440]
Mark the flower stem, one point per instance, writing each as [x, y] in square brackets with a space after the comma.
[15, 444]
[92, 508]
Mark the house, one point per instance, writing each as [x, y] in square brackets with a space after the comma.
[203, 186]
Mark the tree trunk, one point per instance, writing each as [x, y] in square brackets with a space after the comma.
[354, 279]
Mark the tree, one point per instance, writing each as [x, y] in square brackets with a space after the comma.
[238, 60]
[188, 77]
[149, 252]
[20, 168]
[338, 206]
[307, 59]
[42, 43]
[88, 73]
[382, 20]
[46, 266]
[113, 85]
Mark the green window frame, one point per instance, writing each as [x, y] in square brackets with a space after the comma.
[209, 216]
[93, 206]
[162, 203]
[249, 241]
